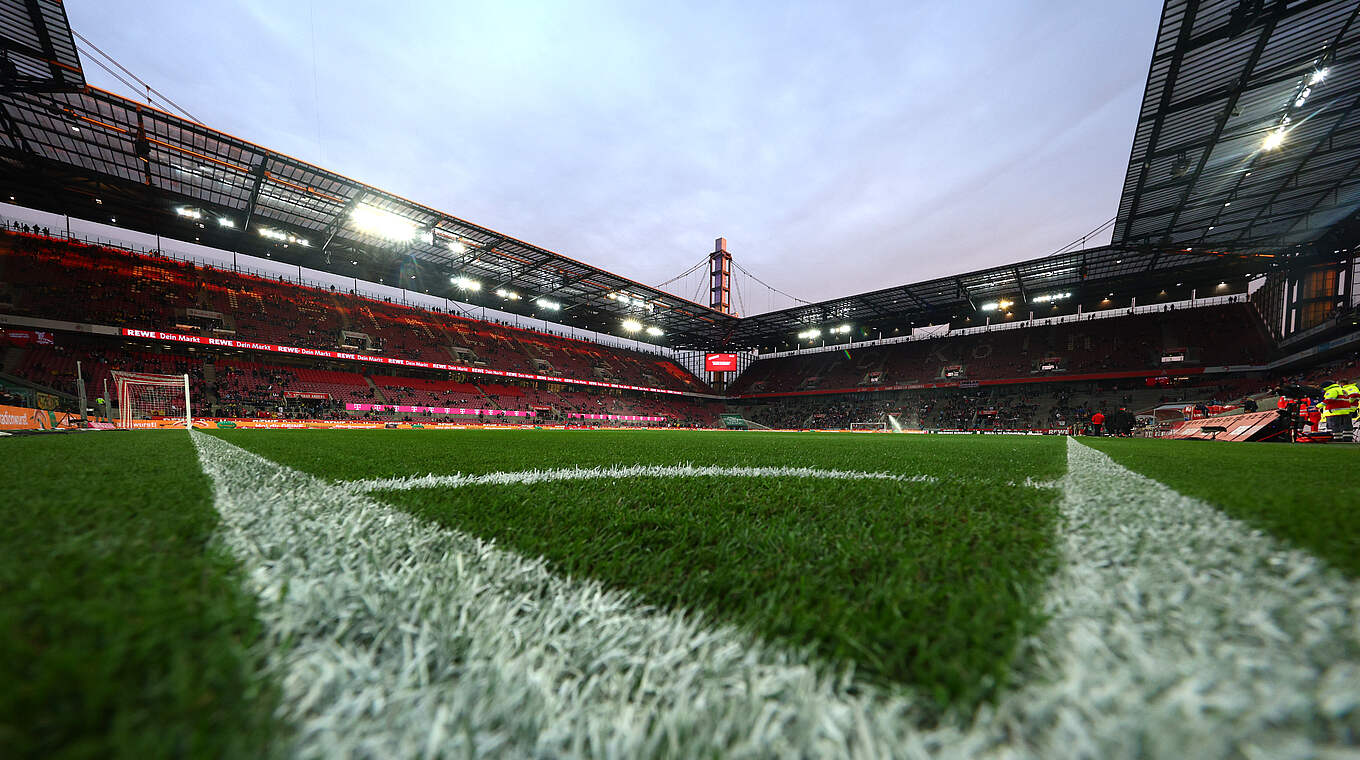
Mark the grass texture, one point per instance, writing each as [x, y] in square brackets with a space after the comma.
[355, 455]
[124, 632]
[1306, 495]
[926, 584]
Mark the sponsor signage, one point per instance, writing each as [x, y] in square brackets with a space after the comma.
[720, 362]
[327, 354]
[437, 410]
[1238, 427]
[307, 395]
[23, 418]
[25, 338]
[627, 417]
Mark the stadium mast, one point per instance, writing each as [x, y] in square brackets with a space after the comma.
[720, 277]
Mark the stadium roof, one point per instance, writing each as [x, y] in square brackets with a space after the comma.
[1249, 134]
[37, 52]
[103, 156]
[80, 150]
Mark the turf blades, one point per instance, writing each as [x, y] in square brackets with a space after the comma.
[399, 639]
[1177, 631]
[1174, 631]
[619, 472]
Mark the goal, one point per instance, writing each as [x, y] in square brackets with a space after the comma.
[146, 397]
[869, 426]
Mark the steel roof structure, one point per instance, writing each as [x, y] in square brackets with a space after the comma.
[100, 155]
[37, 51]
[1249, 133]
[1224, 75]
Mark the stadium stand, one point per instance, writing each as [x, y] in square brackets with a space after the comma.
[57, 279]
[1210, 336]
[1039, 377]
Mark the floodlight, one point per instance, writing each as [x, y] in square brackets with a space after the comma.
[1318, 76]
[384, 224]
[655, 332]
[508, 295]
[1273, 140]
[467, 283]
[632, 325]
[457, 246]
[548, 304]
[223, 221]
[189, 213]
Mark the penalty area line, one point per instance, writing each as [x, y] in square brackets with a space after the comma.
[619, 472]
[1173, 631]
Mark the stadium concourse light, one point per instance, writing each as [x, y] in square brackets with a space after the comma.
[632, 325]
[466, 283]
[384, 224]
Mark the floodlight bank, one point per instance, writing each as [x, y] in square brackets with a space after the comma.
[1174, 632]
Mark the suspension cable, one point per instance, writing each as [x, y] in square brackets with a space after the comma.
[766, 284]
[685, 273]
[1082, 240]
[135, 78]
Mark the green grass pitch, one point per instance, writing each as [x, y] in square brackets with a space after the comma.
[127, 631]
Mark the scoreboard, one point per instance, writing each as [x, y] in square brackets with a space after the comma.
[720, 362]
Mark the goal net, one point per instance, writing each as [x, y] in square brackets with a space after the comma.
[867, 426]
[147, 397]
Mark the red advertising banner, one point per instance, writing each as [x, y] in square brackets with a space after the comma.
[307, 395]
[327, 354]
[1237, 427]
[720, 362]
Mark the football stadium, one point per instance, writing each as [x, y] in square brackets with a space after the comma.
[296, 466]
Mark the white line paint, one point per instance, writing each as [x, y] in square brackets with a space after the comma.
[1174, 632]
[619, 472]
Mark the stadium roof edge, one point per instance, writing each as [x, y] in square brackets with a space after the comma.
[92, 153]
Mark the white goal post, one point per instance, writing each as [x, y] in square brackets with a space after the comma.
[145, 396]
[880, 425]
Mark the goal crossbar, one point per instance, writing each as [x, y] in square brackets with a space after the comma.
[147, 396]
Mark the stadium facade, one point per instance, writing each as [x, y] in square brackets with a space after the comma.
[1239, 208]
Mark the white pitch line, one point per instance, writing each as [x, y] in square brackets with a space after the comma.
[1174, 632]
[619, 472]
[1177, 631]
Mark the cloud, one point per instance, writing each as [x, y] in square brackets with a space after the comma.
[839, 147]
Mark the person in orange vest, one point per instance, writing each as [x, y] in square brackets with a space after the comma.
[1097, 421]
